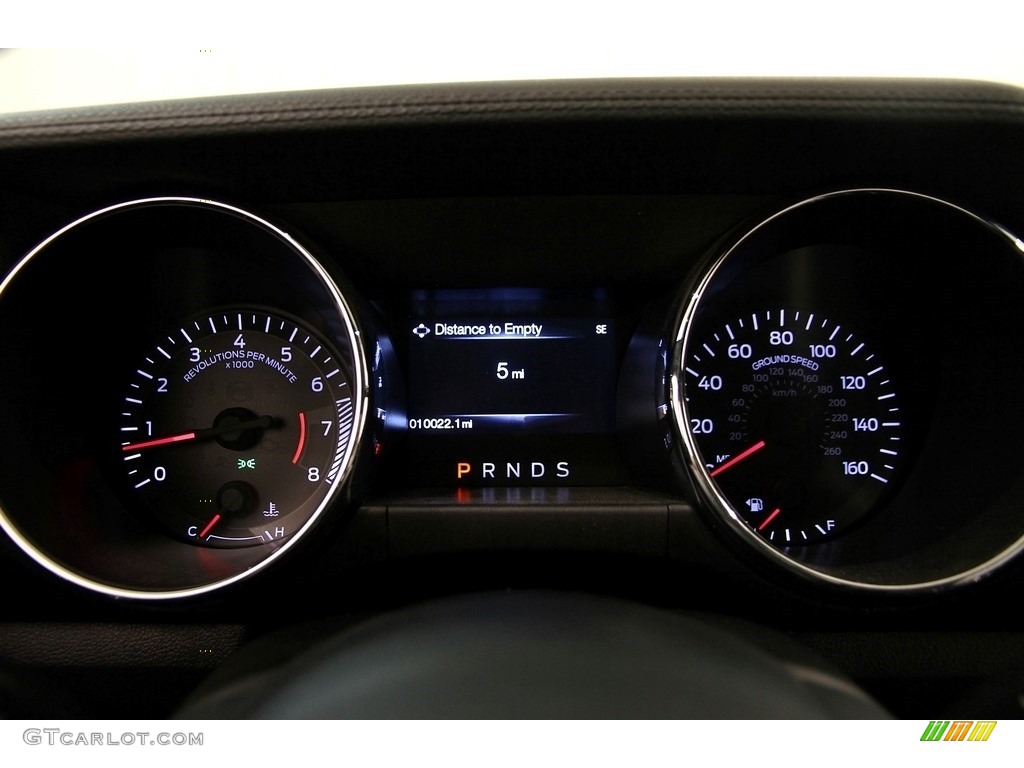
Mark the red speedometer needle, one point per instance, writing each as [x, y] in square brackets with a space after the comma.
[738, 458]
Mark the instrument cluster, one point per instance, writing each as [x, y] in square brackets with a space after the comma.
[198, 389]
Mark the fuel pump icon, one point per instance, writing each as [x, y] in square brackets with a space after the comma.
[755, 505]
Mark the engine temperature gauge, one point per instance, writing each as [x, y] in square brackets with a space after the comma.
[235, 427]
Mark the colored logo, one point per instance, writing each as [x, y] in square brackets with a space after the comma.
[958, 730]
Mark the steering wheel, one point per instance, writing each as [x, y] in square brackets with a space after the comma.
[511, 655]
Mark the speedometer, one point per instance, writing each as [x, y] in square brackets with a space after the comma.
[795, 420]
[820, 402]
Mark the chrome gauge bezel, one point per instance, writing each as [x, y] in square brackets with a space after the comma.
[843, 562]
[208, 570]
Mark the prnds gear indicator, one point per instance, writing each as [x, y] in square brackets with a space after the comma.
[235, 426]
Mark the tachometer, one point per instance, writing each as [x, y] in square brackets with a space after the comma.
[235, 426]
[228, 417]
[795, 419]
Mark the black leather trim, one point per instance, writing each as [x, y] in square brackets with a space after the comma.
[541, 100]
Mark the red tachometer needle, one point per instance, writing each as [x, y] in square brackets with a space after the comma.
[229, 426]
[184, 436]
[738, 458]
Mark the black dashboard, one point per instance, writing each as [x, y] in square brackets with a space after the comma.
[746, 350]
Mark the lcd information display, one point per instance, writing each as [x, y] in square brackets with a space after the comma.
[510, 387]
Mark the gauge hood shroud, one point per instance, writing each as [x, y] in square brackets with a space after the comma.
[751, 135]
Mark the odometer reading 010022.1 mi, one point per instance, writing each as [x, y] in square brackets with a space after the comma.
[793, 421]
[235, 428]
